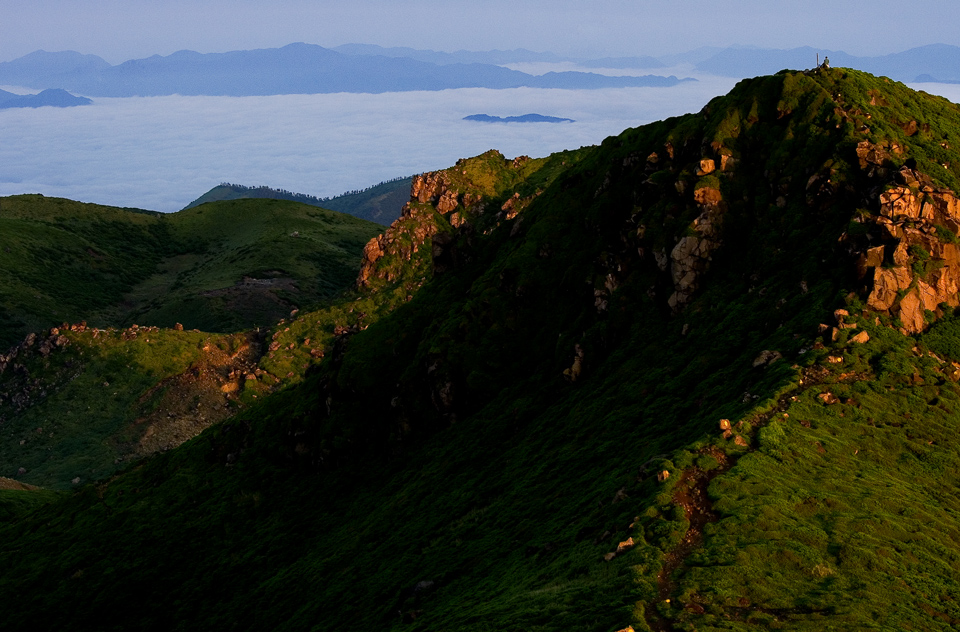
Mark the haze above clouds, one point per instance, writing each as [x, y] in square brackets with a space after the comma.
[121, 29]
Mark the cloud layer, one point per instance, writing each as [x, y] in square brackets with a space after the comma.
[160, 153]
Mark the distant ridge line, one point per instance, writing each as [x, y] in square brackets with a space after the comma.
[304, 196]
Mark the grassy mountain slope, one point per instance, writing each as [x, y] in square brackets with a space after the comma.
[79, 401]
[380, 203]
[224, 267]
[604, 389]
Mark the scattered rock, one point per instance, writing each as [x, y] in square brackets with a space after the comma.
[725, 424]
[740, 441]
[624, 546]
[663, 475]
[577, 368]
[861, 338]
[766, 358]
[828, 398]
[707, 167]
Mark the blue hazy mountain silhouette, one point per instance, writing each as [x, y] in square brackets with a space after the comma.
[525, 118]
[496, 57]
[293, 69]
[54, 96]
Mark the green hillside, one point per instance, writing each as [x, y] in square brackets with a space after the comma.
[223, 267]
[130, 374]
[702, 376]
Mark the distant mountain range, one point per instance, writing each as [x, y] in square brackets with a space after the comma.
[54, 96]
[379, 203]
[936, 62]
[363, 68]
[497, 57]
[293, 69]
[525, 118]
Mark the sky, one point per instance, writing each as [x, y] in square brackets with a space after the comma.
[118, 30]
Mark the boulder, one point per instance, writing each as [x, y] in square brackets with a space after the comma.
[900, 202]
[707, 167]
[872, 258]
[871, 155]
[447, 202]
[911, 312]
[861, 338]
[828, 398]
[767, 357]
[707, 196]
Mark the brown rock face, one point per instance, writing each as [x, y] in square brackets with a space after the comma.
[886, 284]
[871, 155]
[926, 262]
[861, 338]
[900, 203]
[371, 253]
[911, 312]
[691, 257]
[707, 167]
[447, 202]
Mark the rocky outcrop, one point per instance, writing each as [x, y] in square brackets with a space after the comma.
[691, 257]
[915, 269]
[429, 193]
[405, 237]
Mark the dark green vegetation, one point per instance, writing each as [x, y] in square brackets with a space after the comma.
[77, 405]
[536, 377]
[380, 203]
[223, 267]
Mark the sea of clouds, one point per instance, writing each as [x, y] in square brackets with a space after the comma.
[161, 153]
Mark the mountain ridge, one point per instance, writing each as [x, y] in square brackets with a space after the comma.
[379, 203]
[293, 69]
[642, 385]
[50, 97]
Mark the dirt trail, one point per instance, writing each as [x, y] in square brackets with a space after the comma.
[691, 495]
